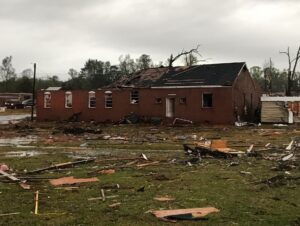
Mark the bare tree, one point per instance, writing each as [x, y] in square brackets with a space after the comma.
[172, 59]
[291, 69]
[190, 59]
[6, 70]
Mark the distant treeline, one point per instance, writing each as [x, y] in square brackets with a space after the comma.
[96, 73]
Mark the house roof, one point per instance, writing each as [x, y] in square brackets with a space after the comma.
[201, 75]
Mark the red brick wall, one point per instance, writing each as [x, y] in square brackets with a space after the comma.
[220, 113]
[243, 88]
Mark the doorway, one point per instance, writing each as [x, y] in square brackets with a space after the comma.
[170, 107]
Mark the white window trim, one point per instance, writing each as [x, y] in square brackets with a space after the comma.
[70, 93]
[138, 97]
[89, 99]
[45, 105]
[105, 98]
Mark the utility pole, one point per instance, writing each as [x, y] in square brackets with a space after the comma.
[33, 91]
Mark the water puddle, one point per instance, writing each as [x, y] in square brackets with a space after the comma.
[17, 141]
[16, 154]
[6, 119]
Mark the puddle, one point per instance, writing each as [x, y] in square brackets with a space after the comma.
[6, 119]
[14, 154]
[17, 141]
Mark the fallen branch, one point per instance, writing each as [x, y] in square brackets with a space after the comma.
[61, 165]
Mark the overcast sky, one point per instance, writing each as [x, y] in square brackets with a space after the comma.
[63, 34]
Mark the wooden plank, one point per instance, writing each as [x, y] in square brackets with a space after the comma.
[62, 165]
[11, 177]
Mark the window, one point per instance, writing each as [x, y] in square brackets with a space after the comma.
[108, 99]
[207, 101]
[134, 97]
[68, 99]
[92, 99]
[157, 100]
[182, 100]
[47, 100]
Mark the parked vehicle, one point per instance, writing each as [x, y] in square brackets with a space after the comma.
[27, 103]
[13, 104]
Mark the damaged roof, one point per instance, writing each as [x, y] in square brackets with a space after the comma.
[200, 75]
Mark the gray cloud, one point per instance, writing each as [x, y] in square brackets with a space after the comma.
[60, 34]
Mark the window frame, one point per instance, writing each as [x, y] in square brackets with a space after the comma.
[47, 103]
[92, 94]
[212, 105]
[134, 98]
[107, 96]
[156, 100]
[182, 100]
[70, 94]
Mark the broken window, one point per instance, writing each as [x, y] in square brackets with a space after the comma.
[92, 99]
[157, 100]
[182, 100]
[68, 99]
[108, 99]
[207, 101]
[134, 97]
[47, 100]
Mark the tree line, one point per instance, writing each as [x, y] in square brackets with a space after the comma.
[96, 73]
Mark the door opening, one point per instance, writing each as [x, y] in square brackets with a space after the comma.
[170, 107]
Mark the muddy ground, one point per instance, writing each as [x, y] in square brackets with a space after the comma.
[258, 189]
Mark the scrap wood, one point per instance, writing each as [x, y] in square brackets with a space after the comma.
[106, 171]
[287, 157]
[289, 147]
[15, 179]
[9, 214]
[62, 165]
[148, 164]
[115, 204]
[36, 202]
[192, 214]
[164, 198]
[72, 180]
[101, 198]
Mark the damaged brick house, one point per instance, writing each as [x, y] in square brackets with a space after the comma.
[211, 93]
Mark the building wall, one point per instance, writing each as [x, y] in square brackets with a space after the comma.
[246, 97]
[220, 113]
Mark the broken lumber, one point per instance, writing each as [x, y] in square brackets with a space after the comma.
[15, 179]
[62, 165]
[184, 214]
[71, 180]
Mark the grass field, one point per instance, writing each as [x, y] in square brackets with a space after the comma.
[243, 198]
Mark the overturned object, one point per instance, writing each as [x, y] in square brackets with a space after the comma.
[72, 180]
[184, 214]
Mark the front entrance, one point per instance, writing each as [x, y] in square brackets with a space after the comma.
[170, 107]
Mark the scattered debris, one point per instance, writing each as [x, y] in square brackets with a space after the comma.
[287, 157]
[62, 165]
[164, 198]
[71, 180]
[9, 214]
[184, 214]
[101, 198]
[115, 205]
[278, 180]
[182, 121]
[144, 156]
[4, 167]
[107, 171]
[148, 164]
[36, 202]
[103, 194]
[142, 189]
[289, 147]
[22, 183]
[245, 172]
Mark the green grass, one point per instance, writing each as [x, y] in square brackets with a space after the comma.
[240, 199]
